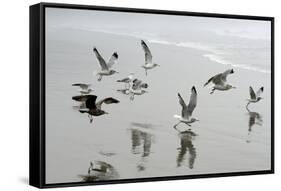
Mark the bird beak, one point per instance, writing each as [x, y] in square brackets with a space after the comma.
[233, 87]
[106, 112]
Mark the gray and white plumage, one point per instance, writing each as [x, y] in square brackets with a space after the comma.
[127, 80]
[148, 58]
[125, 91]
[187, 110]
[254, 96]
[137, 88]
[220, 81]
[93, 108]
[106, 67]
[84, 88]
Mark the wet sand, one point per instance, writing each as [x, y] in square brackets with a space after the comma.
[139, 134]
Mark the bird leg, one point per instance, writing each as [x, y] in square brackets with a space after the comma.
[91, 118]
[213, 90]
[132, 97]
[247, 106]
[146, 72]
[100, 77]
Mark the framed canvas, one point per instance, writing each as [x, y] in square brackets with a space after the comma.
[121, 95]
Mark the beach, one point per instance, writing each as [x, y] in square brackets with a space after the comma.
[137, 137]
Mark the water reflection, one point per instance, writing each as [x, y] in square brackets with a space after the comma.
[141, 142]
[99, 170]
[141, 139]
[186, 145]
[255, 118]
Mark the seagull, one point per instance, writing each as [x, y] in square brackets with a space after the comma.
[127, 80]
[84, 88]
[220, 81]
[136, 88]
[106, 67]
[254, 97]
[93, 108]
[148, 58]
[187, 109]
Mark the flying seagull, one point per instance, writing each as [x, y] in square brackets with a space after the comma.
[127, 80]
[187, 109]
[137, 88]
[106, 67]
[219, 81]
[148, 58]
[93, 108]
[84, 88]
[254, 97]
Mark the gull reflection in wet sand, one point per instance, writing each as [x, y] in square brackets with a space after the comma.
[99, 170]
[141, 142]
[186, 138]
[254, 119]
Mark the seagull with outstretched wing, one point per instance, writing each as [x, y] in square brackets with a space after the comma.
[93, 108]
[187, 110]
[148, 58]
[220, 80]
[254, 96]
[105, 67]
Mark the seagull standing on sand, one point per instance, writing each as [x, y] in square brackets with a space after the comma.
[106, 67]
[219, 81]
[93, 108]
[148, 58]
[136, 88]
[187, 109]
[254, 97]
[84, 88]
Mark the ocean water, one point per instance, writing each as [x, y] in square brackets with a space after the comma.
[137, 139]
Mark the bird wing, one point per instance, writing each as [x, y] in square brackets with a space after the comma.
[225, 74]
[220, 79]
[148, 55]
[192, 102]
[124, 79]
[184, 113]
[91, 102]
[108, 100]
[81, 98]
[136, 84]
[100, 59]
[259, 92]
[252, 93]
[217, 79]
[82, 86]
[112, 60]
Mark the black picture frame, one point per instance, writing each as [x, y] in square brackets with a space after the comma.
[37, 93]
